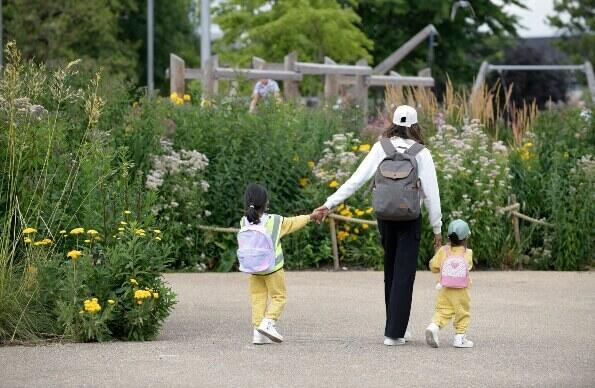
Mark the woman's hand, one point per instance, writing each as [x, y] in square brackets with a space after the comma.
[437, 242]
[319, 214]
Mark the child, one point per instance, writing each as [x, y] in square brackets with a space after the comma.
[453, 261]
[272, 282]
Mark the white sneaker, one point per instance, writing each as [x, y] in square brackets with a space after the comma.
[259, 339]
[461, 341]
[407, 337]
[432, 335]
[394, 341]
[267, 328]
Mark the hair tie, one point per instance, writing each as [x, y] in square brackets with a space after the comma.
[251, 206]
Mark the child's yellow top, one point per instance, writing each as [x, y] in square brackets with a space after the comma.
[293, 224]
[436, 261]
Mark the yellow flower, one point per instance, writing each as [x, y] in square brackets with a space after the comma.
[62, 231]
[111, 301]
[92, 306]
[364, 148]
[342, 235]
[187, 97]
[359, 212]
[121, 229]
[27, 240]
[142, 294]
[139, 302]
[139, 232]
[158, 238]
[529, 145]
[369, 210]
[155, 295]
[354, 148]
[206, 103]
[346, 213]
[44, 242]
[29, 231]
[156, 231]
[333, 184]
[77, 231]
[311, 164]
[92, 232]
[356, 230]
[88, 241]
[97, 238]
[303, 182]
[74, 254]
[127, 212]
[133, 282]
[365, 226]
[123, 223]
[341, 207]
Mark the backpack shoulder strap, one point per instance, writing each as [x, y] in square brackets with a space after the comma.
[415, 149]
[388, 147]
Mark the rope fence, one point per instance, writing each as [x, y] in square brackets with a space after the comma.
[333, 218]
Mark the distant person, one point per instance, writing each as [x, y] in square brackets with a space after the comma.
[261, 255]
[453, 262]
[264, 88]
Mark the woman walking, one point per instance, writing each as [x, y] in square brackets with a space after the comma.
[405, 176]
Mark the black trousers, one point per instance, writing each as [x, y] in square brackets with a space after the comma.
[400, 240]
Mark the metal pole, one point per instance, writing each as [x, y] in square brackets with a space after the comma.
[150, 35]
[205, 32]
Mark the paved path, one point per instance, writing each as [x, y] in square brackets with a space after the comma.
[530, 329]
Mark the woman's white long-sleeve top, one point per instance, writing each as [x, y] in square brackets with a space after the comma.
[427, 174]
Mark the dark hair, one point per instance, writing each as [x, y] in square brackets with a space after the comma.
[413, 132]
[256, 199]
[454, 240]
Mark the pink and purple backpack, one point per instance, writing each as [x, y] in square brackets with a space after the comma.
[256, 252]
[454, 272]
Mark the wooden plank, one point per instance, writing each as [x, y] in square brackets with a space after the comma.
[535, 67]
[385, 80]
[398, 55]
[210, 77]
[291, 88]
[331, 85]
[177, 75]
[254, 74]
[335, 246]
[218, 229]
[361, 87]
[258, 63]
[193, 73]
[590, 79]
[349, 219]
[324, 69]
[531, 219]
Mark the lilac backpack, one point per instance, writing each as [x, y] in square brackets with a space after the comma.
[454, 272]
[256, 251]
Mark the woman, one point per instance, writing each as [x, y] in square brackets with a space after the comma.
[400, 239]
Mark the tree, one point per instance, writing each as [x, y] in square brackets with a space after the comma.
[576, 19]
[462, 44]
[272, 29]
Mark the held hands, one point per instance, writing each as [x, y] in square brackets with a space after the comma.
[437, 242]
[319, 214]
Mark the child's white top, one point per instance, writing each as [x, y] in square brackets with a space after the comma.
[427, 174]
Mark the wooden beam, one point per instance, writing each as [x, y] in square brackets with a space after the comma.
[331, 84]
[590, 79]
[290, 87]
[325, 68]
[385, 80]
[177, 75]
[396, 57]
[279, 75]
[210, 77]
[258, 63]
[361, 87]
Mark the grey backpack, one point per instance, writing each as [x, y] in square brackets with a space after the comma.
[396, 184]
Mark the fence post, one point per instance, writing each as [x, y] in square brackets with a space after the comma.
[361, 90]
[290, 88]
[331, 84]
[334, 243]
[590, 79]
[209, 81]
[515, 222]
[177, 74]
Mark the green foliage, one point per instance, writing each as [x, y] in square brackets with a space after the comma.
[312, 28]
[576, 18]
[462, 45]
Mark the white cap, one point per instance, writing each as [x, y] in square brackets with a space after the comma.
[405, 116]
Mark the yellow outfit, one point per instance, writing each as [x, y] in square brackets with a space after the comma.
[452, 301]
[273, 284]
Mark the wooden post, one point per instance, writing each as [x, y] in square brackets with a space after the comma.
[258, 63]
[331, 84]
[590, 79]
[177, 70]
[361, 90]
[290, 88]
[515, 223]
[335, 247]
[209, 77]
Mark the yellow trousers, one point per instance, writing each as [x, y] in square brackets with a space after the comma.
[263, 286]
[453, 302]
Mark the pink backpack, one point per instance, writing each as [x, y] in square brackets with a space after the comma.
[454, 272]
[256, 251]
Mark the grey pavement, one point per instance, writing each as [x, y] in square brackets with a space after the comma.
[531, 329]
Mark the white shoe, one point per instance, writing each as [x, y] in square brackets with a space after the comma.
[259, 339]
[462, 342]
[432, 335]
[267, 328]
[394, 341]
[407, 337]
